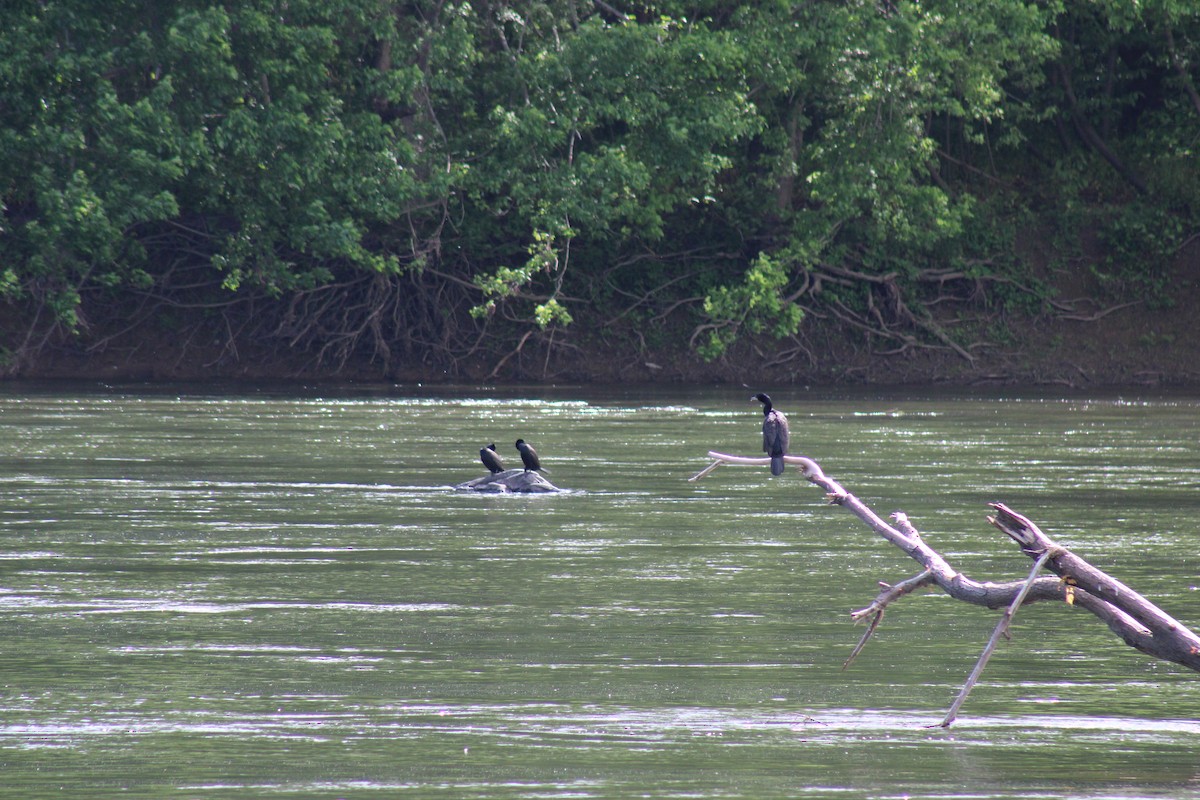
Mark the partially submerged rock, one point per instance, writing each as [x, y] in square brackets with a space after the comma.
[511, 480]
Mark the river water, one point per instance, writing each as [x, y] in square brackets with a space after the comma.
[252, 593]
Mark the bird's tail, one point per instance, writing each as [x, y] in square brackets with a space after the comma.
[776, 465]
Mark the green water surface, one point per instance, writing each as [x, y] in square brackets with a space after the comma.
[266, 594]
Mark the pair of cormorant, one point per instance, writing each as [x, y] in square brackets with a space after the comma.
[491, 459]
[775, 433]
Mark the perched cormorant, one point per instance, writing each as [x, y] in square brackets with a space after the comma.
[491, 459]
[775, 433]
[528, 456]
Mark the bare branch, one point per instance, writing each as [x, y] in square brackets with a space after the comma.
[880, 604]
[1001, 630]
[1138, 622]
[1152, 631]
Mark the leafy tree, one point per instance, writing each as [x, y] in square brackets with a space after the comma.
[854, 96]
[605, 130]
[87, 160]
[359, 175]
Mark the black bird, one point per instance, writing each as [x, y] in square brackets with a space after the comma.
[775, 433]
[528, 456]
[491, 459]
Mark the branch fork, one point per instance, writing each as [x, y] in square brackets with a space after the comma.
[1137, 621]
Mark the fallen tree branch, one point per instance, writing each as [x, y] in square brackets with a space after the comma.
[1099, 315]
[500, 364]
[1001, 630]
[880, 603]
[1137, 621]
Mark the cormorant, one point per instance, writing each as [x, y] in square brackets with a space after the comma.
[529, 456]
[775, 433]
[491, 459]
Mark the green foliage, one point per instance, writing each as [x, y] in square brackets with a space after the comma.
[513, 154]
[606, 131]
[550, 312]
[850, 95]
[261, 152]
[1140, 242]
[756, 305]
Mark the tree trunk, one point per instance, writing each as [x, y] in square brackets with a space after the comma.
[1093, 139]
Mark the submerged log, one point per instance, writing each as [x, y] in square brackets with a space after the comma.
[511, 480]
[1131, 616]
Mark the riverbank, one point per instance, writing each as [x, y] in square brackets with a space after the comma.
[1129, 346]
[1078, 341]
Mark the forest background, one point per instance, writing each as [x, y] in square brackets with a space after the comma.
[965, 191]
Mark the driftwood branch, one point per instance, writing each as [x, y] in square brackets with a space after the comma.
[1001, 630]
[887, 594]
[1137, 621]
